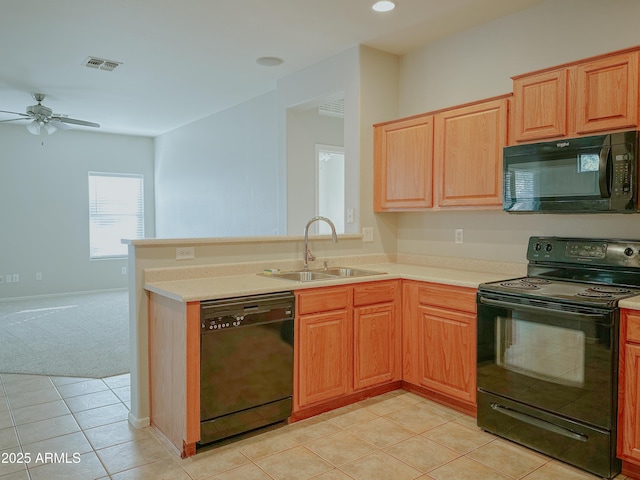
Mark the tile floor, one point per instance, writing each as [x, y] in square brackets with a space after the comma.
[394, 436]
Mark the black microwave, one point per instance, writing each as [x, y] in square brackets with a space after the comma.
[593, 174]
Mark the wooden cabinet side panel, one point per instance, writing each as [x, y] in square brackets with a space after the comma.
[192, 427]
[324, 365]
[468, 154]
[168, 367]
[448, 353]
[410, 332]
[630, 432]
[403, 164]
[540, 106]
[607, 94]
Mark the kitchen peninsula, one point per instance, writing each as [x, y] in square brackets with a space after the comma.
[395, 294]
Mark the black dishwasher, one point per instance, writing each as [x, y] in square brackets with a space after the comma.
[246, 364]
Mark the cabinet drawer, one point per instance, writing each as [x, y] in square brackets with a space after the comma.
[322, 300]
[448, 296]
[375, 292]
[633, 326]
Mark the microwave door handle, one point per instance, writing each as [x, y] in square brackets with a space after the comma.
[605, 155]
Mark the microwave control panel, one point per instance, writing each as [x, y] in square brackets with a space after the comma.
[621, 174]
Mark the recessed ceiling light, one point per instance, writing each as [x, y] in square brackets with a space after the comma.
[269, 61]
[384, 6]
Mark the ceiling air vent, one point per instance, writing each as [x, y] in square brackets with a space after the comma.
[101, 63]
[332, 109]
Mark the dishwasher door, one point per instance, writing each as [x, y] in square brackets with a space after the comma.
[246, 366]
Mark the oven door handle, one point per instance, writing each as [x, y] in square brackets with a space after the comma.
[512, 306]
[536, 422]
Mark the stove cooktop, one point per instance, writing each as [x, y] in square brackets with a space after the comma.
[574, 292]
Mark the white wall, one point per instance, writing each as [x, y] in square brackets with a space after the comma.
[44, 207]
[478, 63]
[218, 176]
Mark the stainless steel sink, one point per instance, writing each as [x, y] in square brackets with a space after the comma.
[325, 274]
[350, 272]
[303, 276]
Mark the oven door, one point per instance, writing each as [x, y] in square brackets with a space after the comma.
[555, 358]
[547, 378]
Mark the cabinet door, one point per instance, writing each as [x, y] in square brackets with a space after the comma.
[540, 106]
[324, 363]
[607, 94]
[630, 424]
[447, 352]
[403, 164]
[468, 154]
[375, 345]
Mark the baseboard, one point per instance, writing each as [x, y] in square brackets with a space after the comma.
[139, 422]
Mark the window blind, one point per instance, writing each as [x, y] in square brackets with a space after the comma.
[116, 211]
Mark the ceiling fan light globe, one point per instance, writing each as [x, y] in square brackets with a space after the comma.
[34, 128]
[50, 129]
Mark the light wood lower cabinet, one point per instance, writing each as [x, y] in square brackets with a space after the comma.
[347, 340]
[628, 448]
[439, 341]
[325, 365]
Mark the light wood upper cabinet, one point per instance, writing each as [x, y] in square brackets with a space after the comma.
[599, 94]
[403, 164]
[607, 94]
[540, 106]
[450, 158]
[468, 154]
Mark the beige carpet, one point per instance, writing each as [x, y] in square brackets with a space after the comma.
[83, 335]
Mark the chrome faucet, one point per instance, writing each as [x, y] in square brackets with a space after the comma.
[308, 256]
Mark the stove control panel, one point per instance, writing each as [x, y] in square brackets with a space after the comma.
[584, 251]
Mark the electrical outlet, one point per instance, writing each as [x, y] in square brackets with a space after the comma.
[38, 276]
[367, 234]
[185, 253]
[123, 270]
[459, 236]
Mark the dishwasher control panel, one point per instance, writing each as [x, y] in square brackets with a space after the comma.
[218, 315]
[219, 323]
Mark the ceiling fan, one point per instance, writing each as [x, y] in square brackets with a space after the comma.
[43, 117]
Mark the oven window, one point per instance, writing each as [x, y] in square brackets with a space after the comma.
[546, 352]
[557, 361]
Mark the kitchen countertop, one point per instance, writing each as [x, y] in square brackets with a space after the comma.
[226, 286]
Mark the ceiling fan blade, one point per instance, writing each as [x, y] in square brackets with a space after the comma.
[74, 121]
[16, 113]
[59, 125]
[14, 120]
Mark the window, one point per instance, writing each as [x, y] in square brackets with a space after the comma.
[116, 211]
